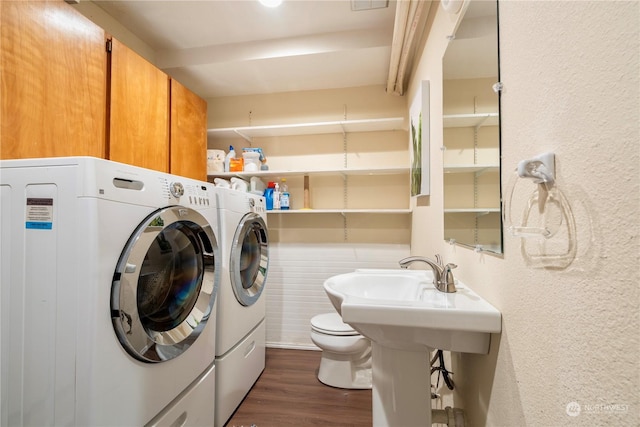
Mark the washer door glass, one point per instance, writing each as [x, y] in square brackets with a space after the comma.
[249, 259]
[165, 284]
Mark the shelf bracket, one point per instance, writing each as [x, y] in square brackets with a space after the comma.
[344, 150]
[243, 136]
[481, 123]
[345, 234]
[481, 172]
[345, 191]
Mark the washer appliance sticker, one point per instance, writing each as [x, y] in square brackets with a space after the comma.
[39, 213]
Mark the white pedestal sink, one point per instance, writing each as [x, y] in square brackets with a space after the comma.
[405, 316]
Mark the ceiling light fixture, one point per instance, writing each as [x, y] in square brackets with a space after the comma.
[271, 3]
[368, 4]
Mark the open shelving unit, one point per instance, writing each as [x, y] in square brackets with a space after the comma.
[312, 128]
[474, 121]
[344, 127]
[471, 210]
[320, 172]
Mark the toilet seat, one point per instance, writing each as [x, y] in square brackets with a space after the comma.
[332, 324]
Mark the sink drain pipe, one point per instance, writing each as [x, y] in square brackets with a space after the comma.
[452, 417]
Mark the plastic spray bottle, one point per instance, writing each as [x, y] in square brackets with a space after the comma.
[276, 197]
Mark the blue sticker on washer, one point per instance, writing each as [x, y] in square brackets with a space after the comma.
[39, 225]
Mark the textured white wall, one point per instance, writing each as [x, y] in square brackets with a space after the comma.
[571, 73]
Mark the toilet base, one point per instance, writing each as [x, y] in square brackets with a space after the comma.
[346, 355]
[342, 371]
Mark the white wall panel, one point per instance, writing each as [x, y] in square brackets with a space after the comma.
[294, 283]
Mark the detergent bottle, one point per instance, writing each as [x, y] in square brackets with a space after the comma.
[230, 155]
[268, 195]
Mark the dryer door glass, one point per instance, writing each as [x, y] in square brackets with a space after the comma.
[165, 284]
[249, 259]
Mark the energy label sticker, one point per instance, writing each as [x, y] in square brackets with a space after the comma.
[39, 214]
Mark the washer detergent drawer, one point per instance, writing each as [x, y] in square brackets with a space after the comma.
[238, 370]
[193, 407]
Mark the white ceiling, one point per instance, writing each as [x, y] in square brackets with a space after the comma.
[239, 47]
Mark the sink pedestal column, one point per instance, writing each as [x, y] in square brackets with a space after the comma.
[401, 387]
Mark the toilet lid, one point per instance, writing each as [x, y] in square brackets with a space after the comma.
[332, 324]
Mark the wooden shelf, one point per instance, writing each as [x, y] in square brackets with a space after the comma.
[284, 173]
[470, 120]
[340, 211]
[471, 168]
[340, 126]
[482, 211]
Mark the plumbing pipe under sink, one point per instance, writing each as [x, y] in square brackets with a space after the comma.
[452, 417]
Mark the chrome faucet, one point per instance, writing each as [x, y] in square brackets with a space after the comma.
[442, 274]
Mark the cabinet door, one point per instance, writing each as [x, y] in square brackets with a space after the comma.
[53, 78]
[139, 111]
[188, 133]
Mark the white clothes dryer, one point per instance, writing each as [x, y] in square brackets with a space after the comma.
[241, 335]
[110, 274]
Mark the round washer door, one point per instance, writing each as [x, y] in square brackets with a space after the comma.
[165, 284]
[249, 259]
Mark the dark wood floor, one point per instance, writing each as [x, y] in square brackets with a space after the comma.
[288, 393]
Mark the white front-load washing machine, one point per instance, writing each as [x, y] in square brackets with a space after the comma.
[241, 335]
[110, 275]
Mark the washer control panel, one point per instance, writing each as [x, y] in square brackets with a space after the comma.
[176, 189]
[257, 205]
[187, 193]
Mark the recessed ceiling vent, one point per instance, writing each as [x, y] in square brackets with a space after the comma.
[368, 4]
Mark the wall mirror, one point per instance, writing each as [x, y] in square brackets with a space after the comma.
[471, 120]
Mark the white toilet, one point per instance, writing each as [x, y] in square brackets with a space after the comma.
[346, 355]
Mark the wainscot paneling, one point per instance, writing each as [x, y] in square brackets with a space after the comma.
[294, 288]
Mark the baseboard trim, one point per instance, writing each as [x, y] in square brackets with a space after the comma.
[291, 346]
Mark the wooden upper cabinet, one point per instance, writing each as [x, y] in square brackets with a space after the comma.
[63, 94]
[53, 81]
[188, 133]
[139, 111]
